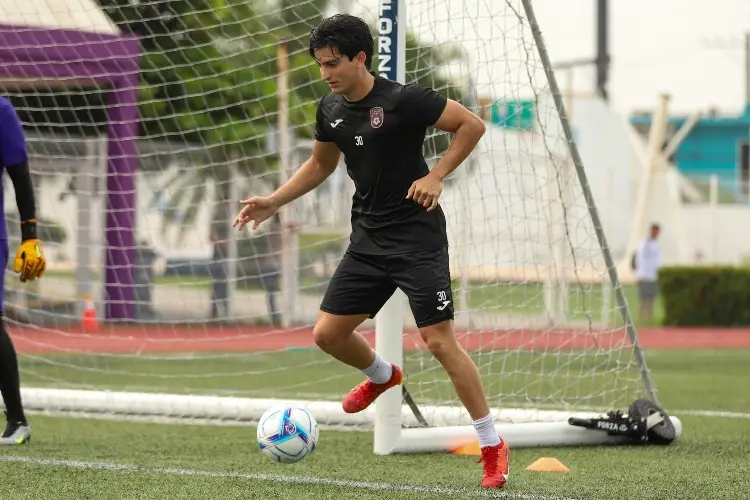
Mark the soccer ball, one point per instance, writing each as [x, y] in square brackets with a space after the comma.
[287, 434]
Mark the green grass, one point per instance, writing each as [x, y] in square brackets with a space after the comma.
[708, 461]
[528, 298]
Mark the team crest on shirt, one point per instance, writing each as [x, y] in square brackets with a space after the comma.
[376, 117]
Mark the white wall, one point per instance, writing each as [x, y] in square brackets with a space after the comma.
[718, 234]
[166, 240]
[81, 15]
[609, 163]
[514, 215]
[507, 219]
[328, 207]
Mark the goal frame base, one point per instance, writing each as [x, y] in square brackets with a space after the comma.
[454, 430]
[521, 435]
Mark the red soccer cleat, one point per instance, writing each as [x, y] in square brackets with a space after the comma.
[496, 461]
[365, 393]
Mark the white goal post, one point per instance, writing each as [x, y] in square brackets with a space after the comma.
[215, 326]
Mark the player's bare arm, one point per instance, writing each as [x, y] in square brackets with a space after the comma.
[310, 175]
[468, 129]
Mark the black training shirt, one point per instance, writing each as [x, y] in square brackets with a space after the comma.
[381, 137]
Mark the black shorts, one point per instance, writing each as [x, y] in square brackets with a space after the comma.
[363, 283]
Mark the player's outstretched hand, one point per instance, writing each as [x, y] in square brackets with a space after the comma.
[30, 262]
[426, 191]
[256, 209]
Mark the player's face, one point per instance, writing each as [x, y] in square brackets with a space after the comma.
[337, 70]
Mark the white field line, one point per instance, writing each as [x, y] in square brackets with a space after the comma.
[280, 478]
[711, 413]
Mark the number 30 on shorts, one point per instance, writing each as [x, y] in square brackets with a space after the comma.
[441, 295]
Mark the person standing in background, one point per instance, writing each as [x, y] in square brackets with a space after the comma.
[647, 262]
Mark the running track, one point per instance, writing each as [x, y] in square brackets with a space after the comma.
[201, 338]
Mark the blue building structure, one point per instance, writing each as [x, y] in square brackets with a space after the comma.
[717, 145]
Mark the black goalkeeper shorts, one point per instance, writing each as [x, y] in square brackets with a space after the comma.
[363, 283]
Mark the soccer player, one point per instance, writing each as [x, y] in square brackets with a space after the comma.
[29, 263]
[647, 263]
[398, 234]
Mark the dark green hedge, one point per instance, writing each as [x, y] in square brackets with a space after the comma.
[705, 296]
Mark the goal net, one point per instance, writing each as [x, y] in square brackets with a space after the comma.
[148, 121]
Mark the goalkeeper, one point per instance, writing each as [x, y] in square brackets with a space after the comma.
[29, 263]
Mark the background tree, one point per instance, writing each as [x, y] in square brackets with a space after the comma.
[207, 94]
[209, 82]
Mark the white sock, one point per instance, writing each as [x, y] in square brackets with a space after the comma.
[486, 432]
[380, 371]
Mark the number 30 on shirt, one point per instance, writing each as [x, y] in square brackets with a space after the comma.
[358, 140]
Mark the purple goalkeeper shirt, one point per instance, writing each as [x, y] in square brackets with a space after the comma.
[12, 147]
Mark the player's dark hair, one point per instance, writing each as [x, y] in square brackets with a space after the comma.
[346, 34]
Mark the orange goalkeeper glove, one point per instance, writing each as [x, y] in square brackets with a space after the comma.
[30, 261]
